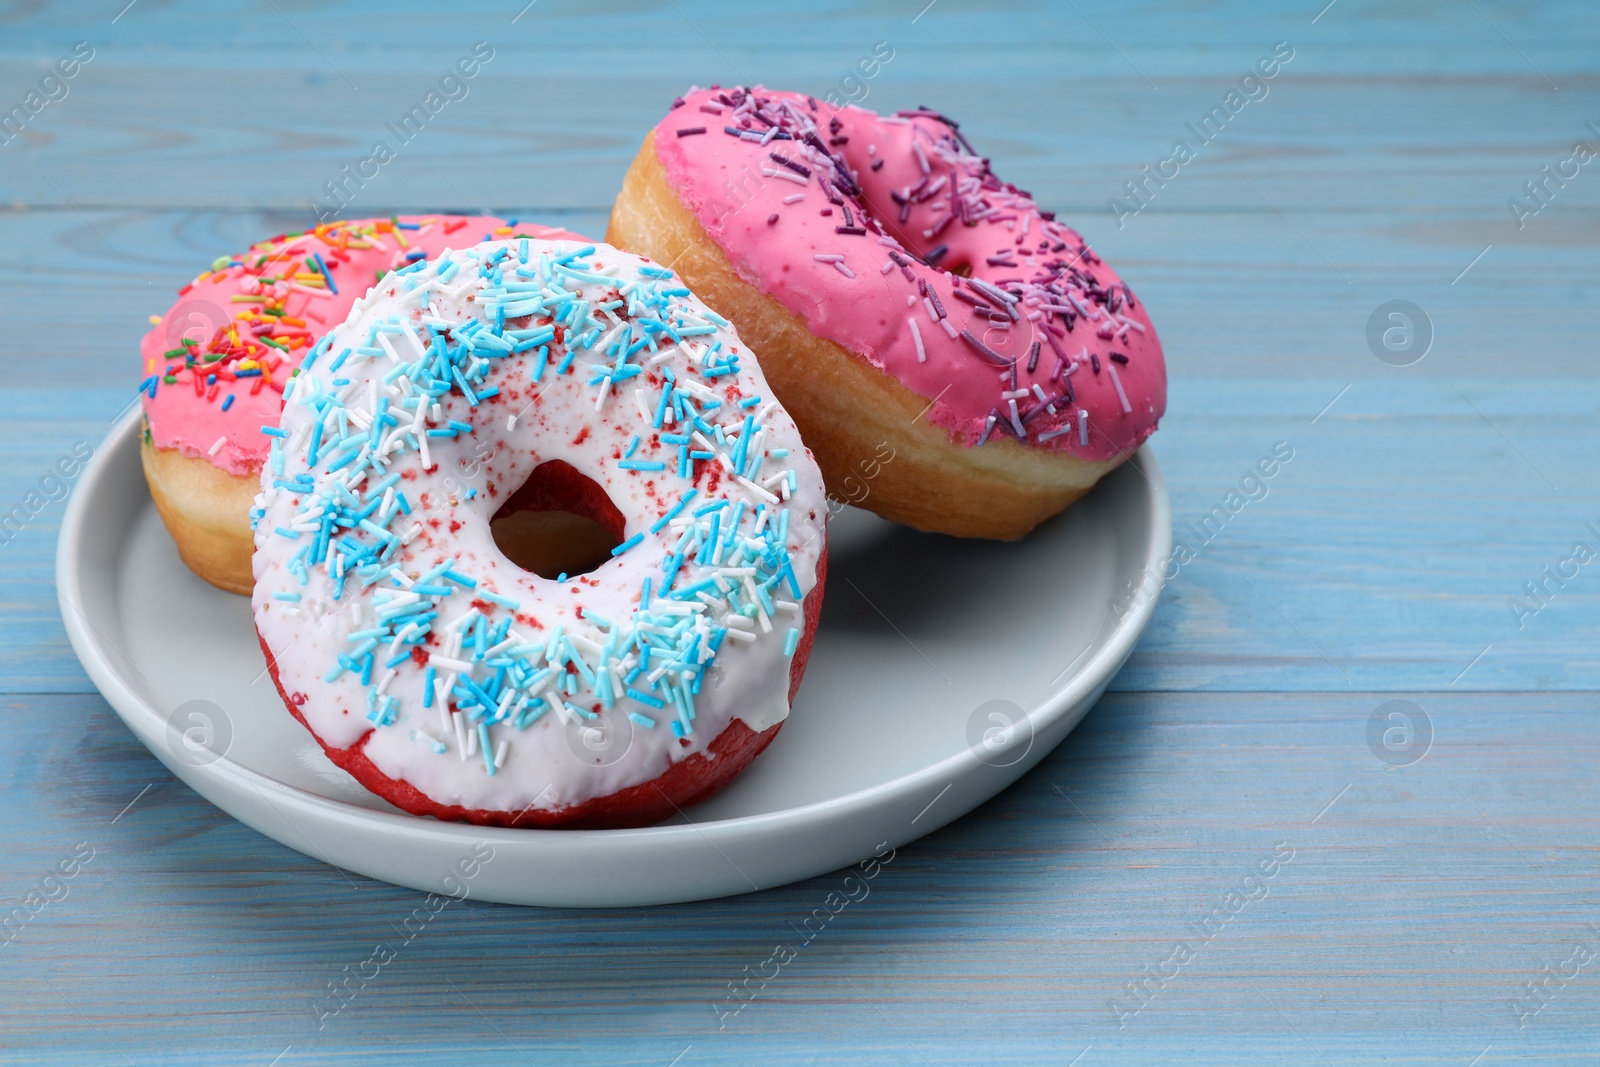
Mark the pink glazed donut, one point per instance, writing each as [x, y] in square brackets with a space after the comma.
[957, 360]
[216, 363]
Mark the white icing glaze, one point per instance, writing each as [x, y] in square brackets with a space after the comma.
[407, 321]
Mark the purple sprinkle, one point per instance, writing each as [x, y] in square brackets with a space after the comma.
[986, 352]
[856, 230]
[785, 161]
[689, 131]
[1120, 358]
[1095, 361]
[1033, 357]
[772, 219]
[933, 257]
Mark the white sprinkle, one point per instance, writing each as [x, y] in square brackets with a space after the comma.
[500, 753]
[1038, 392]
[846, 271]
[949, 329]
[1116, 380]
[511, 422]
[888, 265]
[756, 489]
[1016, 423]
[794, 198]
[828, 257]
[1083, 427]
[214, 449]
[786, 174]
[459, 720]
[916, 338]
[1055, 433]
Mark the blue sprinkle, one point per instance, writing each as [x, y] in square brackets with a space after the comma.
[629, 543]
[483, 743]
[293, 535]
[292, 598]
[791, 642]
[273, 431]
[642, 465]
[327, 275]
[646, 698]
[642, 720]
[227, 401]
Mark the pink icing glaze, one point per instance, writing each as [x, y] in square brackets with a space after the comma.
[193, 422]
[895, 201]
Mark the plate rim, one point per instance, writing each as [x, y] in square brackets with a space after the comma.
[1098, 670]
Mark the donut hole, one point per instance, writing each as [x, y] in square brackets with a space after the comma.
[559, 522]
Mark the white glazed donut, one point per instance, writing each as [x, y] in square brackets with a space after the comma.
[445, 678]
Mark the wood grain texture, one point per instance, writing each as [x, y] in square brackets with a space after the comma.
[1417, 905]
[1411, 911]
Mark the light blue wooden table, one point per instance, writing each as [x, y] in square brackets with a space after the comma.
[1423, 914]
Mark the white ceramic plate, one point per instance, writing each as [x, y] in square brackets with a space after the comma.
[943, 670]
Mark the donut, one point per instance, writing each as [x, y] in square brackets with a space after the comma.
[528, 376]
[958, 360]
[215, 366]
